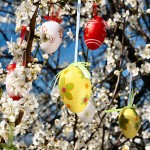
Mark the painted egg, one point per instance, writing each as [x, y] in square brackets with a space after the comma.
[74, 88]
[129, 122]
[95, 33]
[11, 94]
[51, 36]
[88, 113]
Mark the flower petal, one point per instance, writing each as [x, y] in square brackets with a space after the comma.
[69, 86]
[62, 95]
[68, 95]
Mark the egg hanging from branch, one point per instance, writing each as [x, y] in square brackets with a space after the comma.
[95, 33]
[75, 87]
[11, 94]
[51, 36]
[129, 122]
[88, 113]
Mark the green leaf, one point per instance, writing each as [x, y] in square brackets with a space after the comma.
[81, 66]
[114, 110]
[69, 86]
[131, 99]
[68, 95]
[4, 145]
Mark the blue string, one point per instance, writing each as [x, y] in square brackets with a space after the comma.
[130, 89]
[77, 31]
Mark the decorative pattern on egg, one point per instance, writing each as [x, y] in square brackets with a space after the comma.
[51, 36]
[88, 113]
[95, 33]
[129, 122]
[75, 89]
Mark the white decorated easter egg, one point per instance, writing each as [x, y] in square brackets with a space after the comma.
[15, 97]
[88, 113]
[74, 88]
[51, 36]
[129, 122]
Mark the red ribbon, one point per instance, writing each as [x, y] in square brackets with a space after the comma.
[48, 18]
[52, 16]
[11, 67]
[94, 9]
[23, 32]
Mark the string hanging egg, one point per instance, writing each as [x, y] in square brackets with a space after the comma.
[75, 87]
[11, 69]
[129, 122]
[95, 33]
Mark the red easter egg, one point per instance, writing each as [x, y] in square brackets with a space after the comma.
[11, 68]
[95, 33]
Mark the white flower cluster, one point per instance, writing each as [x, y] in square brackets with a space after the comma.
[131, 67]
[3, 131]
[117, 17]
[24, 13]
[133, 20]
[97, 76]
[55, 94]
[44, 138]
[132, 3]
[16, 49]
[103, 94]
[1, 69]
[21, 78]
[145, 54]
[88, 8]
[145, 117]
[11, 109]
[145, 68]
[112, 54]
[18, 82]
[101, 98]
[111, 23]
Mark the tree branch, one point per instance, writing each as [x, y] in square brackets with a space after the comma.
[31, 36]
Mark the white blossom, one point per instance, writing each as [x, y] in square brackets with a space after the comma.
[45, 56]
[131, 67]
[70, 34]
[117, 17]
[145, 68]
[17, 49]
[145, 54]
[23, 13]
[133, 3]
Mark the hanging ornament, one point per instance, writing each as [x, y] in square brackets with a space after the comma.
[129, 122]
[11, 94]
[95, 31]
[88, 113]
[75, 87]
[51, 33]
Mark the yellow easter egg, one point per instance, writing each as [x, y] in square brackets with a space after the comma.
[129, 122]
[74, 88]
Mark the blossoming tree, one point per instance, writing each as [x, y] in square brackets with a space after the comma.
[33, 115]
